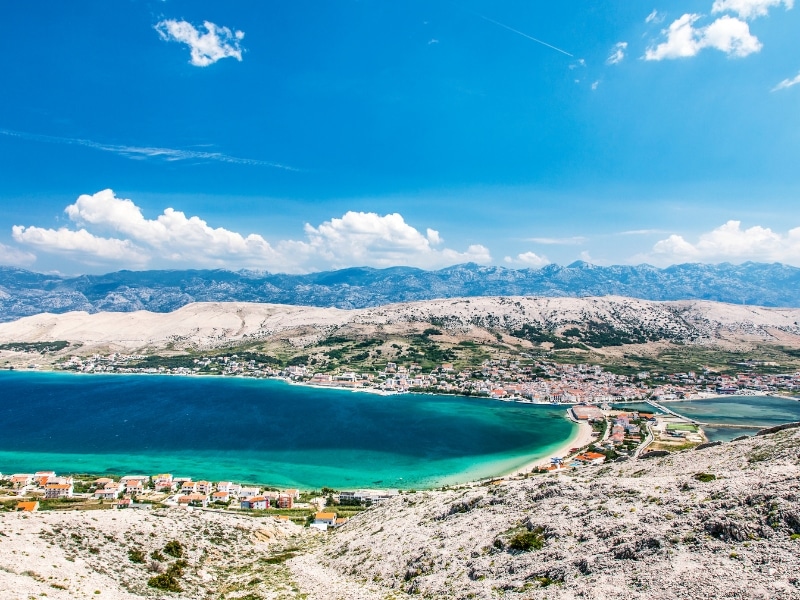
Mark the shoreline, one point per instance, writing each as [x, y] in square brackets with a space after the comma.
[582, 437]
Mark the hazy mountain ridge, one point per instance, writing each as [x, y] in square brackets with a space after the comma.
[25, 293]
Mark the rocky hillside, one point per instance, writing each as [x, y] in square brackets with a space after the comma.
[25, 293]
[719, 522]
[563, 322]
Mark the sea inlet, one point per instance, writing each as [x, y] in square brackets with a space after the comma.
[265, 431]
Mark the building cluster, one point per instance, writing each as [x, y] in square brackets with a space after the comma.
[181, 491]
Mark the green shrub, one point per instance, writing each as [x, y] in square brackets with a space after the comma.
[174, 549]
[705, 477]
[135, 555]
[527, 540]
[166, 582]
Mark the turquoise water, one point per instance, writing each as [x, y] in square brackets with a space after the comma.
[265, 431]
[756, 411]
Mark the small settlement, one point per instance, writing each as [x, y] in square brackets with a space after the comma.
[145, 491]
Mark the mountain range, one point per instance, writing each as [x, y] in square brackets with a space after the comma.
[24, 293]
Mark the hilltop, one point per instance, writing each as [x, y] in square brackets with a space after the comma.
[603, 330]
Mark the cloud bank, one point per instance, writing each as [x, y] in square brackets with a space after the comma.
[205, 48]
[731, 243]
[114, 231]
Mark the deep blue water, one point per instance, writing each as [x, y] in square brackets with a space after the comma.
[264, 431]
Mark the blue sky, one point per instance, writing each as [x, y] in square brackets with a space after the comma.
[301, 136]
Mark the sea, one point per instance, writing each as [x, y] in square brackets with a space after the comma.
[265, 431]
[749, 413]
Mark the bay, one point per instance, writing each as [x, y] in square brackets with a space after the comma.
[265, 431]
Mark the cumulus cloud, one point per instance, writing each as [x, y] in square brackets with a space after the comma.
[15, 256]
[80, 244]
[617, 53]
[206, 48]
[114, 230]
[529, 259]
[749, 9]
[787, 83]
[727, 34]
[730, 242]
[369, 238]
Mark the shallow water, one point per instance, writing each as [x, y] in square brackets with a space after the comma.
[264, 431]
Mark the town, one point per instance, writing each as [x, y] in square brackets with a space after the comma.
[531, 380]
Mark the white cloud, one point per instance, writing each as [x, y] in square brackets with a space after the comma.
[730, 242]
[360, 238]
[595, 85]
[80, 244]
[749, 9]
[529, 259]
[566, 241]
[727, 34]
[15, 256]
[787, 83]
[617, 53]
[654, 17]
[206, 48]
[114, 229]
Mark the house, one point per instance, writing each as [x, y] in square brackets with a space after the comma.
[285, 501]
[323, 520]
[249, 492]
[255, 503]
[591, 458]
[293, 493]
[204, 487]
[188, 487]
[234, 489]
[109, 491]
[134, 487]
[194, 499]
[21, 480]
[221, 497]
[58, 490]
[123, 503]
[163, 482]
[28, 506]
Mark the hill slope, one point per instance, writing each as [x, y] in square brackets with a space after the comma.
[720, 522]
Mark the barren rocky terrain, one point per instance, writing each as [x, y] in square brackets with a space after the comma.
[209, 325]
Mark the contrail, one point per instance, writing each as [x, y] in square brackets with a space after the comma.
[525, 35]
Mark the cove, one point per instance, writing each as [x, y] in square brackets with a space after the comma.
[265, 431]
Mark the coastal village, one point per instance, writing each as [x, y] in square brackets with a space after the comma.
[540, 381]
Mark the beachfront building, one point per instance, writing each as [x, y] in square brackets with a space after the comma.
[134, 487]
[58, 490]
[285, 501]
[255, 503]
[21, 481]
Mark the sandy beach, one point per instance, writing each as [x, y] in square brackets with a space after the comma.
[583, 437]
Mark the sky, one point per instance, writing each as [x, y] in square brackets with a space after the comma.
[304, 136]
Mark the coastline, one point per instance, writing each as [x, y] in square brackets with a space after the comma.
[581, 438]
